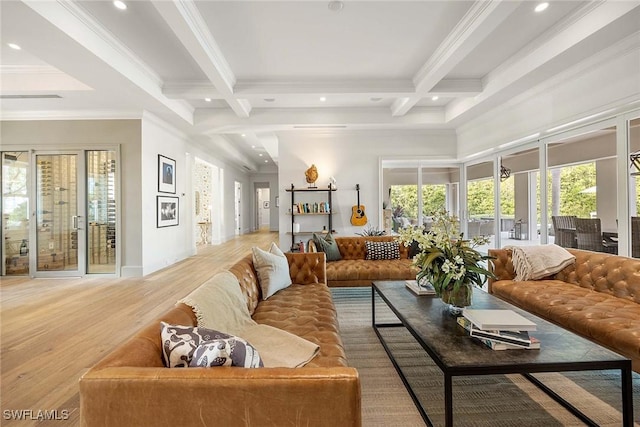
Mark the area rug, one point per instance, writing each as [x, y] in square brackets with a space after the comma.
[492, 400]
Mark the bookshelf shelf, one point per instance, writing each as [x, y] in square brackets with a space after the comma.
[318, 207]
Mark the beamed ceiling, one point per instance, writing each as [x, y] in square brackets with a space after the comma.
[244, 71]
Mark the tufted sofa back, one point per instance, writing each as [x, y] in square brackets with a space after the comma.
[304, 269]
[353, 247]
[611, 274]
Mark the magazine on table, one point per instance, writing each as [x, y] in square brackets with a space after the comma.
[425, 289]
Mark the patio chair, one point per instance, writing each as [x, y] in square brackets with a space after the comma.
[635, 236]
[564, 229]
[589, 234]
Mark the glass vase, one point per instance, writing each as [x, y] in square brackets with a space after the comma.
[457, 299]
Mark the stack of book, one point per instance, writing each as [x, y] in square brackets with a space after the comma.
[499, 329]
[422, 289]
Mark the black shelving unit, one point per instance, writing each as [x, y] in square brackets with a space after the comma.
[311, 212]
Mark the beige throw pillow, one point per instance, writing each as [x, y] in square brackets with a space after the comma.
[272, 268]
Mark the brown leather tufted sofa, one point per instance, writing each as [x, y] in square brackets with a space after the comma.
[131, 386]
[598, 297]
[354, 270]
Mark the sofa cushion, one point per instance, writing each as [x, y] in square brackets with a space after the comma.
[232, 351]
[382, 250]
[308, 312]
[367, 270]
[328, 245]
[272, 268]
[606, 318]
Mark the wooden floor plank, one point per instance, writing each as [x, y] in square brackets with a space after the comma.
[53, 330]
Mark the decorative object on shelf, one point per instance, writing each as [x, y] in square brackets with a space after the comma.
[332, 182]
[358, 217]
[311, 176]
[166, 175]
[167, 211]
[448, 261]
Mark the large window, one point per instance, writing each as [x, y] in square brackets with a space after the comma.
[634, 185]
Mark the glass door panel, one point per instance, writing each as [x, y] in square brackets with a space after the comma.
[56, 213]
[15, 213]
[101, 211]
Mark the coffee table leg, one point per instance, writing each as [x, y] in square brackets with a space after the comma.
[373, 306]
[448, 401]
[627, 397]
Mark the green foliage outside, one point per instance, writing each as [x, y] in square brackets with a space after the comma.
[406, 196]
[573, 180]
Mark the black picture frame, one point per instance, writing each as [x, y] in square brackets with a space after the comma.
[166, 175]
[167, 211]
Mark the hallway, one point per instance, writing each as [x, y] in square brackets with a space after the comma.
[54, 330]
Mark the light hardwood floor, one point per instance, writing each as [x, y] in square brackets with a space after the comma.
[53, 330]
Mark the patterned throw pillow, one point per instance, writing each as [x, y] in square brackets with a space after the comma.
[226, 352]
[327, 245]
[181, 343]
[382, 250]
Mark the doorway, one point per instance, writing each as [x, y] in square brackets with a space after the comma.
[263, 209]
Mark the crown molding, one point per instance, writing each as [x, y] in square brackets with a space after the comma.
[70, 115]
[30, 69]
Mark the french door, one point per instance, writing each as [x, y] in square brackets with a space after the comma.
[57, 216]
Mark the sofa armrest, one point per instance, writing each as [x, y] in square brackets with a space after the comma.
[501, 266]
[307, 268]
[220, 396]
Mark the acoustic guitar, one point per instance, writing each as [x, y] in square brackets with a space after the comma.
[358, 217]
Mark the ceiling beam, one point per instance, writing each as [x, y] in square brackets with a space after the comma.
[481, 19]
[185, 20]
[213, 121]
[364, 88]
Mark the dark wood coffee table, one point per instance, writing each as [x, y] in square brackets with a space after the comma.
[457, 354]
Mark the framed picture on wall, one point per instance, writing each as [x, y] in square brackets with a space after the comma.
[167, 211]
[166, 175]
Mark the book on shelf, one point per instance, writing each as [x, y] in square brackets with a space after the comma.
[501, 320]
[427, 289]
[513, 339]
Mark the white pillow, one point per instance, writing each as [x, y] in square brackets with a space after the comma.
[272, 268]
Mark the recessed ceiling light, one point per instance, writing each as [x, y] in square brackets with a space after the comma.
[243, 135]
[434, 98]
[14, 46]
[260, 154]
[266, 161]
[269, 99]
[541, 7]
[120, 4]
[335, 6]
[323, 98]
[375, 99]
[208, 99]
[253, 146]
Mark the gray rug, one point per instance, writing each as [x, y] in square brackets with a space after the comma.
[493, 400]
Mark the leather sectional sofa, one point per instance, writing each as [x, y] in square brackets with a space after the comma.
[355, 270]
[132, 387]
[598, 297]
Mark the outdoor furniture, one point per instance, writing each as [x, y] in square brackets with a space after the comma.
[635, 236]
[564, 228]
[589, 234]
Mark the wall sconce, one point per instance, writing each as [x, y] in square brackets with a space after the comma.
[505, 173]
[635, 162]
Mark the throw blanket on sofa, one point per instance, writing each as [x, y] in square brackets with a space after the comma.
[536, 262]
[219, 304]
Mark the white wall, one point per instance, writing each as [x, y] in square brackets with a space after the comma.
[351, 158]
[167, 245]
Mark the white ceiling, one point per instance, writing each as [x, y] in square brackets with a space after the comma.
[266, 64]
